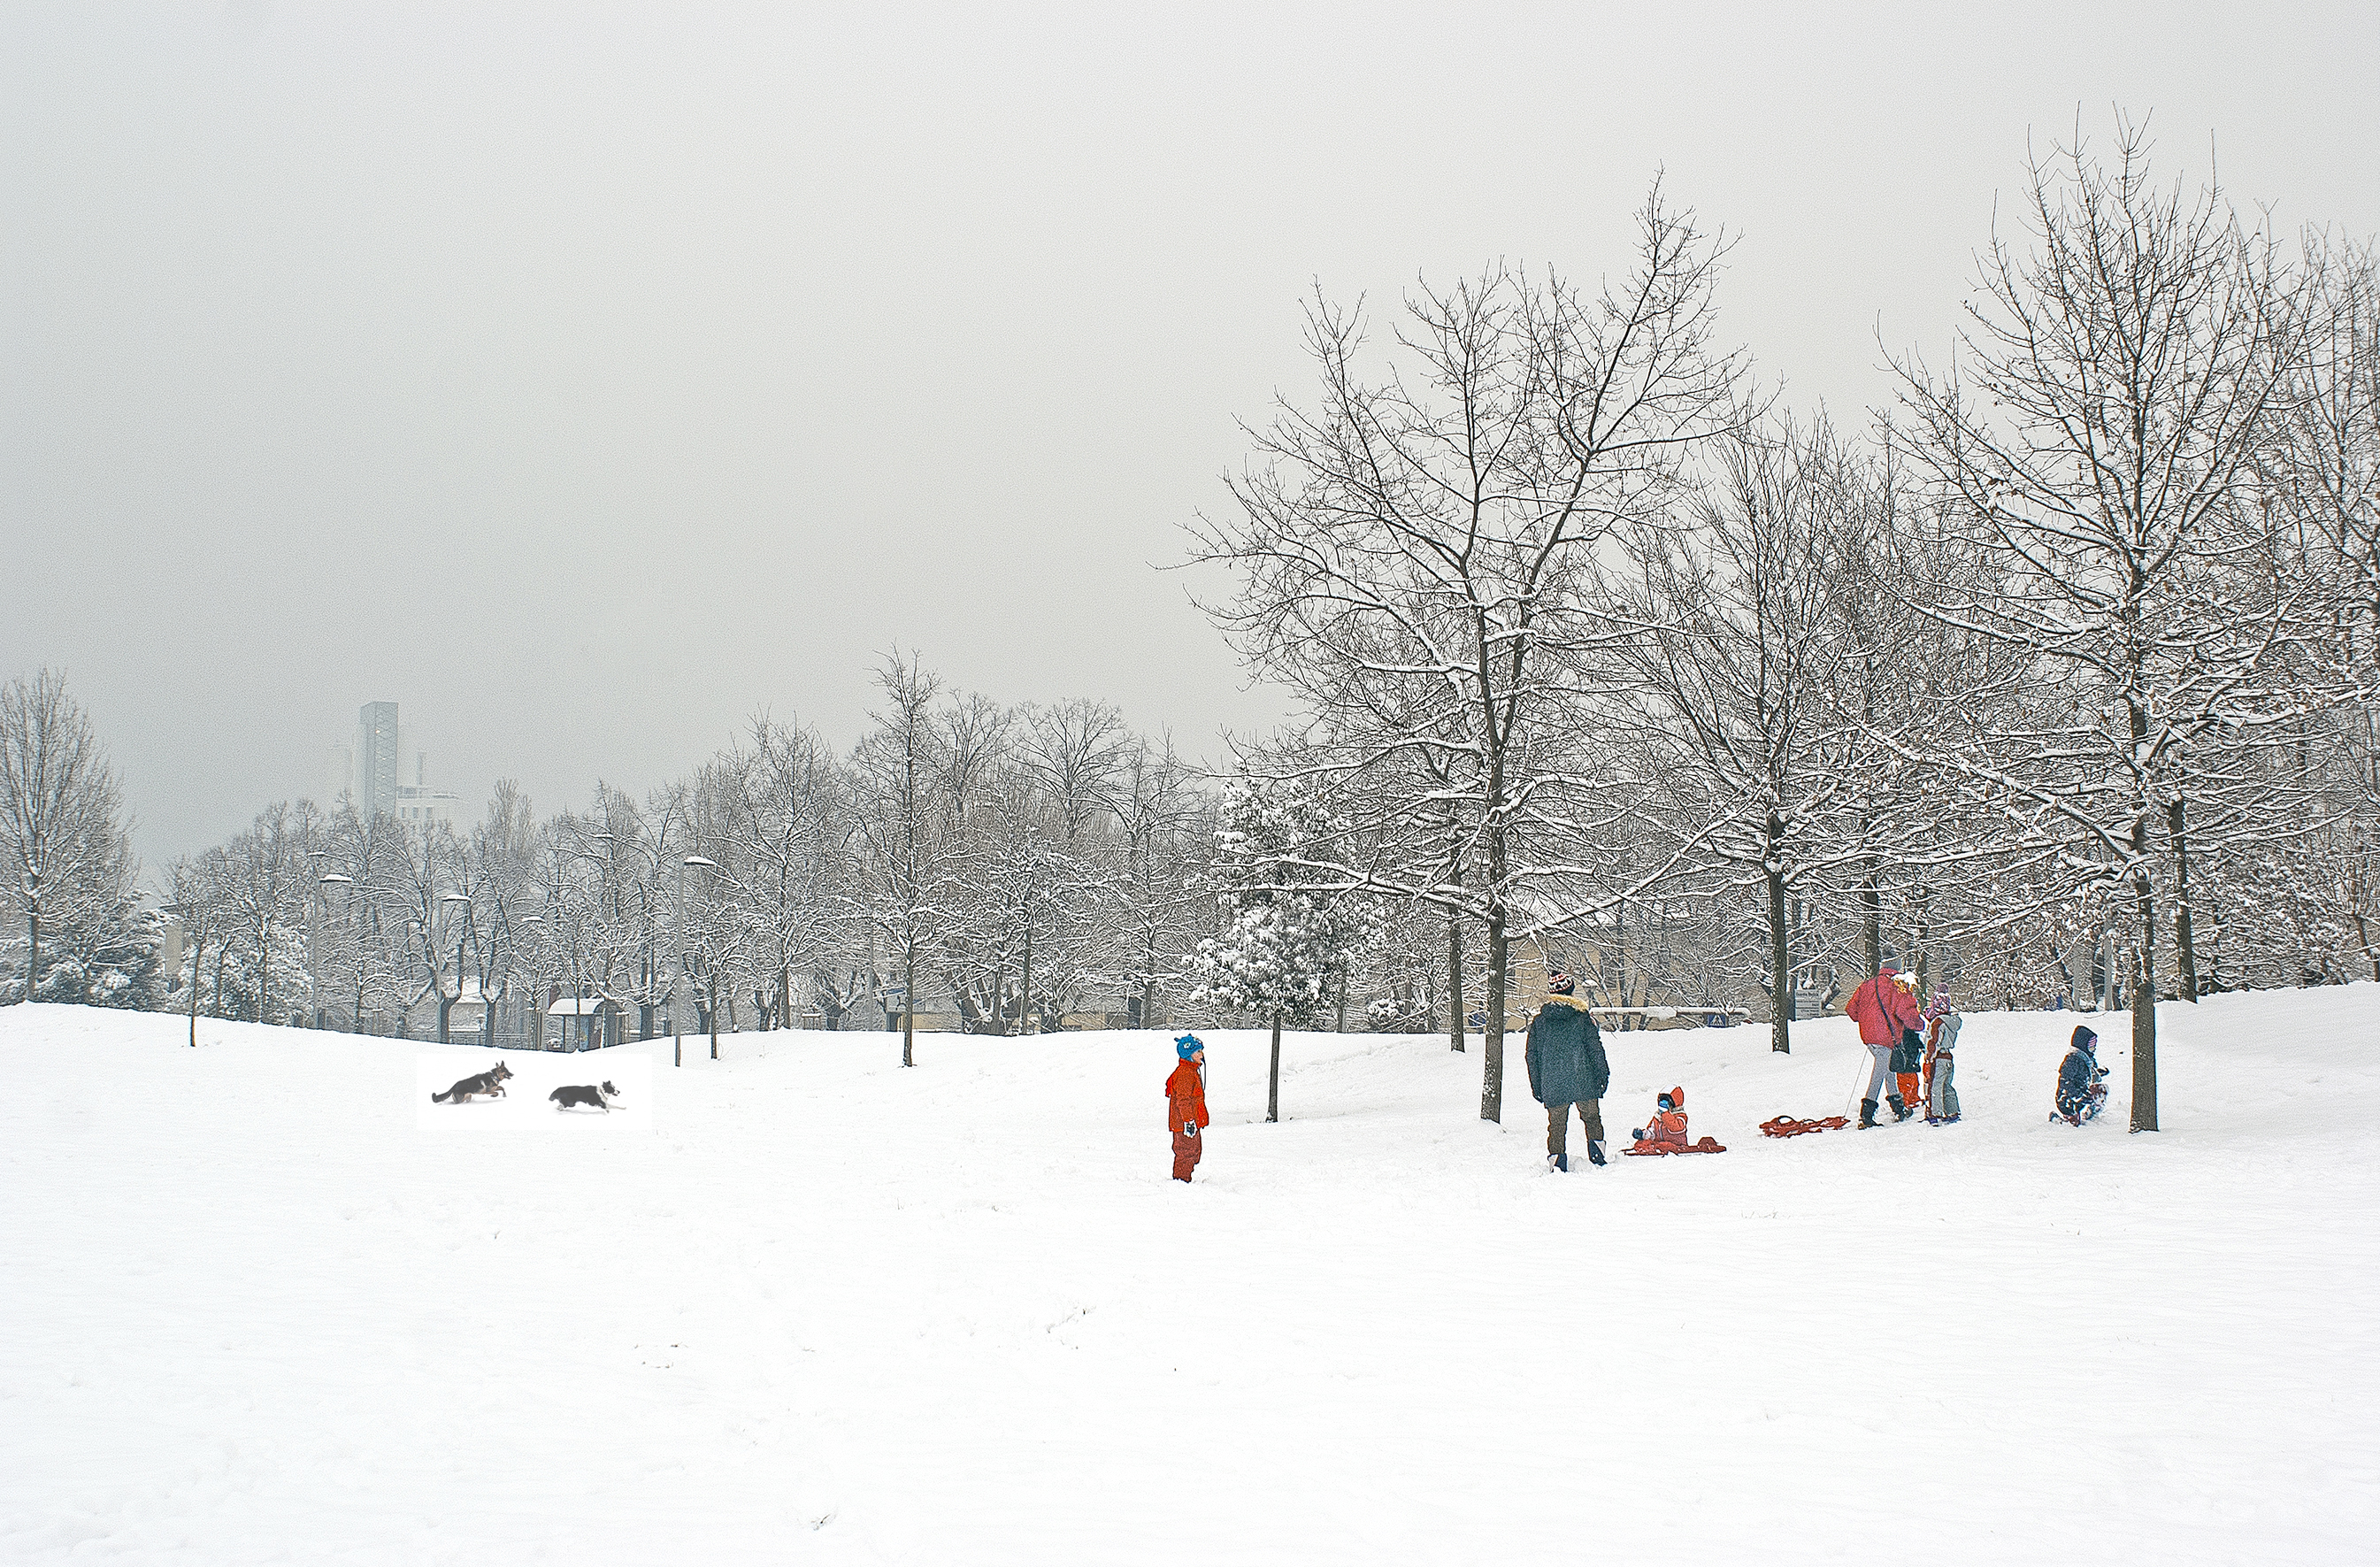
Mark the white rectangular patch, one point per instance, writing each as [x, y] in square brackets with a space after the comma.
[527, 1104]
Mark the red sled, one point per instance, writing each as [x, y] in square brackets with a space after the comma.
[1786, 1126]
[1708, 1145]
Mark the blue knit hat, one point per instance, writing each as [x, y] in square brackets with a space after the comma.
[1188, 1044]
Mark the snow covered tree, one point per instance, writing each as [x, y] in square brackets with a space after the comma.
[787, 797]
[2096, 441]
[1414, 556]
[65, 845]
[1291, 921]
[264, 888]
[359, 952]
[903, 811]
[1164, 819]
[1736, 661]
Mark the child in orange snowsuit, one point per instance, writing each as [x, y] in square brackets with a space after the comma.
[1666, 1133]
[1669, 1128]
[1185, 1104]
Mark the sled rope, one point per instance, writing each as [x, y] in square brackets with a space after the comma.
[1786, 1126]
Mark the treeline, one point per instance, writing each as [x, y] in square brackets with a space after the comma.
[2072, 652]
[1009, 864]
[2054, 681]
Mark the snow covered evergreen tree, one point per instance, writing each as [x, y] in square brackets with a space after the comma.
[1291, 924]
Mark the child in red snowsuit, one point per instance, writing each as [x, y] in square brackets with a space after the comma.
[1185, 1104]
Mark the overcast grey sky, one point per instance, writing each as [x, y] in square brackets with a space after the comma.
[583, 378]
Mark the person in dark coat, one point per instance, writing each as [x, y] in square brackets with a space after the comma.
[1566, 1068]
[2080, 1092]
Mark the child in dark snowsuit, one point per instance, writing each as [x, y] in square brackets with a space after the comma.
[1185, 1104]
[2080, 1092]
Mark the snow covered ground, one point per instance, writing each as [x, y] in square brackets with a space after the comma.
[808, 1306]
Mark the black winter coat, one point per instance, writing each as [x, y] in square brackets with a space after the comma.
[1565, 1054]
[2075, 1075]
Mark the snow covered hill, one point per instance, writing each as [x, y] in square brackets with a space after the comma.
[807, 1306]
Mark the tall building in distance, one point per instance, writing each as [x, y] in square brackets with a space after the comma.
[370, 770]
[378, 739]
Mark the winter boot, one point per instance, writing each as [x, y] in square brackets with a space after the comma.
[1595, 1151]
[1867, 1114]
[1559, 1162]
[1900, 1111]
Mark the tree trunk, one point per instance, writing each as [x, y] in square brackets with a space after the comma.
[195, 953]
[445, 1005]
[1871, 917]
[1924, 966]
[1491, 1093]
[909, 1008]
[1455, 1021]
[1781, 1037]
[2145, 1080]
[1024, 985]
[2185, 945]
[1273, 1080]
[34, 958]
[714, 1016]
[1620, 947]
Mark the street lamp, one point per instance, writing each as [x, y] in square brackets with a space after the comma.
[466, 902]
[313, 901]
[322, 881]
[678, 1025]
[536, 989]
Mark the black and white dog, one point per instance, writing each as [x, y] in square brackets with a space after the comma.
[564, 1098]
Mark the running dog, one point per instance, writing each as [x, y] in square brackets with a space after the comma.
[485, 1083]
[564, 1098]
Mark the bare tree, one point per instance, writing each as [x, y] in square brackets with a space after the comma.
[1412, 553]
[1163, 819]
[62, 842]
[1736, 659]
[903, 805]
[198, 883]
[2116, 381]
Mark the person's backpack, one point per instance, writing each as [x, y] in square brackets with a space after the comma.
[1910, 1054]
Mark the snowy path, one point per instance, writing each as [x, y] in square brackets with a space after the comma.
[827, 1310]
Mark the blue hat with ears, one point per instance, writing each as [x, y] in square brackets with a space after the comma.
[1187, 1044]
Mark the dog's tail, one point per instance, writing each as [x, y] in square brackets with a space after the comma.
[442, 1099]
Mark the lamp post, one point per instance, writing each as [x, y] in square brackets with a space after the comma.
[677, 1029]
[466, 902]
[536, 989]
[339, 878]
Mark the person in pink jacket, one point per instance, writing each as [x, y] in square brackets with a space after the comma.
[1885, 1008]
